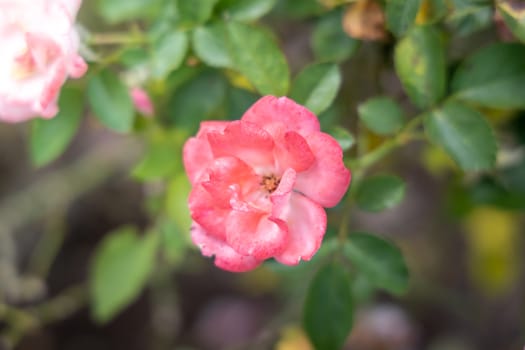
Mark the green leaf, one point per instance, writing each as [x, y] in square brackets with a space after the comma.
[299, 9]
[245, 10]
[489, 192]
[493, 77]
[380, 192]
[239, 100]
[464, 134]
[328, 309]
[132, 57]
[344, 137]
[114, 11]
[513, 14]
[330, 42]
[168, 53]
[257, 56]
[316, 86]
[469, 16]
[187, 107]
[174, 242]
[110, 101]
[49, 138]
[177, 202]
[211, 45]
[382, 115]
[379, 260]
[160, 160]
[420, 64]
[401, 14]
[194, 12]
[121, 267]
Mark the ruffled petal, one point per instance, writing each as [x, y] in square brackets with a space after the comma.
[280, 198]
[277, 115]
[211, 126]
[208, 212]
[251, 232]
[196, 153]
[293, 152]
[225, 256]
[327, 180]
[71, 7]
[226, 172]
[48, 99]
[77, 67]
[246, 141]
[306, 223]
[226, 180]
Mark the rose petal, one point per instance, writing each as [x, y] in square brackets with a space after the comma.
[250, 232]
[327, 180]
[246, 141]
[40, 45]
[293, 152]
[225, 257]
[281, 196]
[230, 177]
[274, 114]
[306, 223]
[227, 180]
[77, 67]
[71, 7]
[208, 212]
[196, 153]
[47, 103]
[211, 126]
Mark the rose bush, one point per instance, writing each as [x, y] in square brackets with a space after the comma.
[260, 185]
[39, 51]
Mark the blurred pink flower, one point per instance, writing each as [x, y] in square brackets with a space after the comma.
[39, 51]
[260, 185]
[141, 101]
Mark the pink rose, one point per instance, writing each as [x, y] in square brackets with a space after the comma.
[141, 101]
[260, 185]
[39, 51]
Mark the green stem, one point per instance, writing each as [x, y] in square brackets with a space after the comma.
[125, 38]
[403, 137]
[361, 166]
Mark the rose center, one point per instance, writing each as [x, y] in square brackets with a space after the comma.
[270, 183]
[37, 56]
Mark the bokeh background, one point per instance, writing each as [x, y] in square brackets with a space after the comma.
[462, 235]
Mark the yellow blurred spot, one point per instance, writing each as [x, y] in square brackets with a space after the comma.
[365, 20]
[239, 80]
[492, 237]
[497, 116]
[437, 161]
[424, 14]
[514, 8]
[293, 338]
[259, 281]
